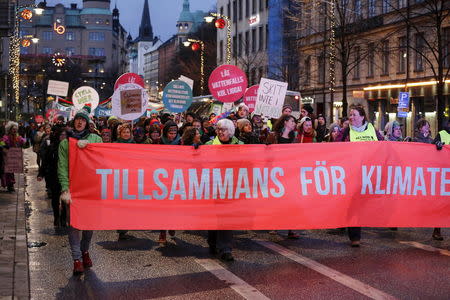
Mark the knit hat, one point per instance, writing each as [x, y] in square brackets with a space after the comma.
[241, 123]
[303, 120]
[287, 106]
[10, 125]
[83, 113]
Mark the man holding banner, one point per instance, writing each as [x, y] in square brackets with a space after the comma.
[81, 132]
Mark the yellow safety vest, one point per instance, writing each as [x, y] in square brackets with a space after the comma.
[367, 135]
[445, 137]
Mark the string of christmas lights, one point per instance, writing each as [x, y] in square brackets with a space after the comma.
[202, 62]
[228, 21]
[332, 46]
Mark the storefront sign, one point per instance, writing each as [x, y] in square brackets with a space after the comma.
[270, 100]
[358, 94]
[177, 96]
[250, 97]
[227, 83]
[85, 96]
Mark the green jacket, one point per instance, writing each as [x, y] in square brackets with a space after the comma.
[216, 141]
[63, 160]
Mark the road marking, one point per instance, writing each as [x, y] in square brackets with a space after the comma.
[426, 247]
[237, 284]
[343, 279]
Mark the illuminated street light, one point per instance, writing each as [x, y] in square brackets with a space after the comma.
[202, 59]
[219, 24]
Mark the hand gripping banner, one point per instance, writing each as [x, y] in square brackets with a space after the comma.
[294, 186]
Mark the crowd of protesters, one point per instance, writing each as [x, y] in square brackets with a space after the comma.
[50, 143]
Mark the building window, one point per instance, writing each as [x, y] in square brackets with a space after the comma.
[261, 39]
[446, 42]
[254, 38]
[47, 35]
[321, 69]
[247, 8]
[267, 36]
[221, 10]
[240, 44]
[308, 70]
[420, 44]
[70, 51]
[70, 36]
[386, 6]
[96, 51]
[47, 50]
[402, 53]
[371, 60]
[234, 46]
[247, 42]
[356, 70]
[261, 5]
[240, 9]
[385, 58]
[254, 8]
[221, 51]
[371, 8]
[229, 9]
[234, 11]
[96, 36]
[24, 50]
[358, 9]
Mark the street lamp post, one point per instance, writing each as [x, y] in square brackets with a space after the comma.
[202, 60]
[210, 18]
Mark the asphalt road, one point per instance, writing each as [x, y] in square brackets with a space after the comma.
[403, 264]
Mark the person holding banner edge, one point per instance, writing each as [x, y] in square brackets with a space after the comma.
[79, 248]
[359, 130]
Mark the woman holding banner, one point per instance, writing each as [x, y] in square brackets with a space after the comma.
[284, 133]
[11, 140]
[359, 130]
[306, 132]
[79, 248]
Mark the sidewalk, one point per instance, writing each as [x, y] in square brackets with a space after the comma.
[14, 271]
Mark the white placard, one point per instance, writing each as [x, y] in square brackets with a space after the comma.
[85, 95]
[227, 106]
[58, 88]
[126, 103]
[270, 100]
[189, 81]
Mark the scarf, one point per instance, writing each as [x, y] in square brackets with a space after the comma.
[362, 128]
[129, 141]
[176, 141]
[80, 135]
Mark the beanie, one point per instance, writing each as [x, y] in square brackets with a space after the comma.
[83, 113]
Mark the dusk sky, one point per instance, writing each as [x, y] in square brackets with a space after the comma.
[163, 13]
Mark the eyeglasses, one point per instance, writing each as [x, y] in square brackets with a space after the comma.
[222, 129]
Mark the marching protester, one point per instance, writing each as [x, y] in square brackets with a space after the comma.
[140, 137]
[208, 132]
[106, 135]
[242, 111]
[170, 134]
[154, 134]
[321, 128]
[393, 132]
[49, 171]
[284, 133]
[333, 133]
[37, 139]
[246, 134]
[423, 135]
[10, 140]
[306, 132]
[287, 110]
[191, 137]
[359, 130]
[79, 248]
[220, 241]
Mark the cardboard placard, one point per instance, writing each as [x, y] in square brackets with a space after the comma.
[14, 160]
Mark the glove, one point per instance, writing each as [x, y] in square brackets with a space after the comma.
[439, 145]
[65, 197]
[82, 143]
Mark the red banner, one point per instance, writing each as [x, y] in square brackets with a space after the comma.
[294, 186]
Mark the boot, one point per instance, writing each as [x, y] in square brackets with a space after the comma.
[78, 268]
[87, 262]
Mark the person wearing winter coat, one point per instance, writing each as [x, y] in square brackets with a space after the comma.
[79, 248]
[246, 134]
[321, 128]
[443, 136]
[393, 132]
[306, 132]
[37, 139]
[359, 130]
[220, 241]
[10, 140]
[48, 170]
[170, 134]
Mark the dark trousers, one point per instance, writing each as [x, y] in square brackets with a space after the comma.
[59, 212]
[221, 240]
[354, 233]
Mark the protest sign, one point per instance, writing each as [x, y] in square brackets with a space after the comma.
[85, 96]
[227, 83]
[188, 80]
[103, 112]
[250, 97]
[129, 78]
[270, 99]
[57, 88]
[14, 160]
[177, 96]
[129, 101]
[276, 188]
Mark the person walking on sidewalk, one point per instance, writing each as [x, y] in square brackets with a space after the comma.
[79, 248]
[10, 140]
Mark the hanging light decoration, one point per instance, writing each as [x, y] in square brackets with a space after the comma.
[26, 14]
[220, 23]
[25, 43]
[195, 46]
[58, 60]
